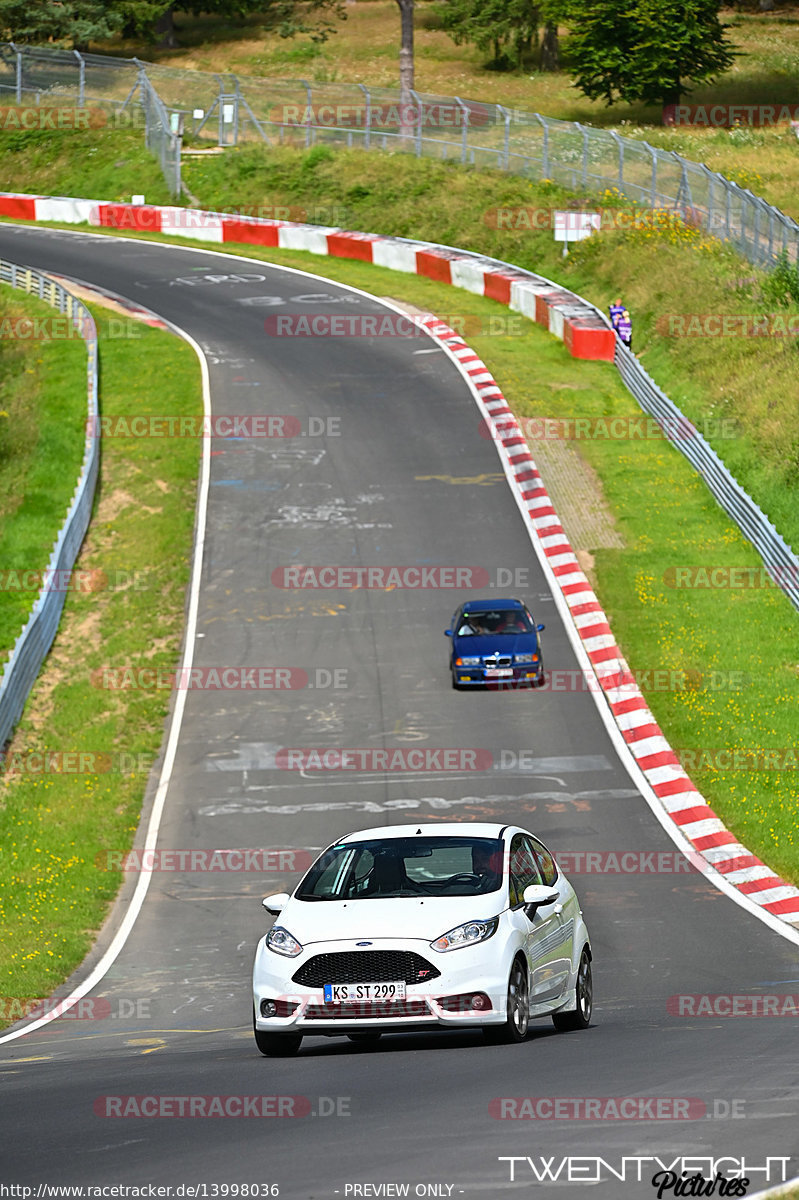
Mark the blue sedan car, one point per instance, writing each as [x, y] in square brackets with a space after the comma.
[495, 642]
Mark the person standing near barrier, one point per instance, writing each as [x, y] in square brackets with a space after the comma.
[624, 328]
[615, 311]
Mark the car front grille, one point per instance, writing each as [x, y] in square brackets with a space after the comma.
[369, 966]
[385, 1010]
[498, 660]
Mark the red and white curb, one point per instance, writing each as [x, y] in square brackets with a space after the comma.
[570, 318]
[677, 803]
[713, 849]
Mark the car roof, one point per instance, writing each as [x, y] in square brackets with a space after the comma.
[479, 829]
[491, 605]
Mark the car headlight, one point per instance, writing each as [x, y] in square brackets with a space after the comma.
[467, 662]
[282, 942]
[524, 658]
[467, 934]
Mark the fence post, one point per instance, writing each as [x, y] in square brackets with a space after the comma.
[506, 137]
[620, 148]
[465, 136]
[653, 194]
[82, 79]
[307, 123]
[417, 137]
[368, 134]
[19, 73]
[545, 148]
[584, 132]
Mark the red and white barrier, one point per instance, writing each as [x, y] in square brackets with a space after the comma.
[567, 316]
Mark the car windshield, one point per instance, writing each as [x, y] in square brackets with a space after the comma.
[495, 621]
[391, 867]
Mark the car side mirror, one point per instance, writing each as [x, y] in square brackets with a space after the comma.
[275, 904]
[447, 633]
[539, 894]
[540, 627]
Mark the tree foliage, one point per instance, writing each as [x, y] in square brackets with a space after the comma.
[78, 22]
[646, 49]
[506, 28]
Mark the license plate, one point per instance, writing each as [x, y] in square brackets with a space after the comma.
[335, 993]
[498, 672]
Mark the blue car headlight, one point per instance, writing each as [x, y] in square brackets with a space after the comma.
[467, 934]
[468, 662]
[525, 658]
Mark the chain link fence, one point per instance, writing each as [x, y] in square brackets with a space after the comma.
[23, 665]
[233, 110]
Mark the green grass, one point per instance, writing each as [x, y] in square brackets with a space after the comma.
[53, 897]
[43, 411]
[668, 520]
[110, 164]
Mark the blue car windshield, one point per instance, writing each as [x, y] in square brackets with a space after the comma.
[497, 621]
[420, 866]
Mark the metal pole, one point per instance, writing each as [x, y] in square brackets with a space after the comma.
[82, 81]
[465, 136]
[584, 132]
[368, 132]
[19, 74]
[307, 123]
[506, 137]
[419, 121]
[545, 147]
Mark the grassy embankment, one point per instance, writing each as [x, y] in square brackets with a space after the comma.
[53, 823]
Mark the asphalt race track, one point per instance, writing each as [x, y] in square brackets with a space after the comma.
[399, 476]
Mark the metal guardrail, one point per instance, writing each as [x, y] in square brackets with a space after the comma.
[780, 561]
[237, 109]
[21, 669]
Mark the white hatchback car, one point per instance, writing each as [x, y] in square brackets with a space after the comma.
[419, 927]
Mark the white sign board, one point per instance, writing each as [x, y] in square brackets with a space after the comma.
[574, 226]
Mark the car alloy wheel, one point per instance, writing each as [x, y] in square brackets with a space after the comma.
[580, 1017]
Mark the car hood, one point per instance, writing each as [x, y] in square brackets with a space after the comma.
[503, 643]
[425, 918]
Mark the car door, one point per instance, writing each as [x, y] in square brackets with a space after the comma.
[561, 963]
[543, 927]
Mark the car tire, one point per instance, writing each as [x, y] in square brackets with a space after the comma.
[515, 1026]
[456, 686]
[580, 1017]
[276, 1045]
[364, 1039]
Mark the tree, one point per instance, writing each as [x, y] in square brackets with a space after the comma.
[77, 22]
[646, 50]
[507, 28]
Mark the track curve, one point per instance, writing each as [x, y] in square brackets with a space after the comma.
[399, 475]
